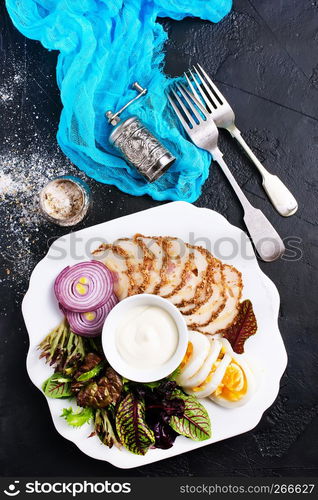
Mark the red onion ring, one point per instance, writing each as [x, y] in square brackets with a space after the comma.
[81, 324]
[84, 287]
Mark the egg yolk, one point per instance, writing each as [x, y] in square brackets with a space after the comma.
[234, 383]
[213, 368]
[187, 356]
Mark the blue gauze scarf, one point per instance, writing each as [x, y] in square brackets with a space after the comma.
[106, 45]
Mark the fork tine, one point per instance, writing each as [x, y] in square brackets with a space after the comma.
[214, 87]
[192, 99]
[183, 107]
[209, 99]
[182, 91]
[194, 92]
[178, 113]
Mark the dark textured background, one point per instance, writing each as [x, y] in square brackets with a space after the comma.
[264, 56]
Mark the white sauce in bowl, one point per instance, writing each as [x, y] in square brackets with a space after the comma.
[147, 337]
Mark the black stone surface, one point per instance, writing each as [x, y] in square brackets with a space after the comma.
[264, 58]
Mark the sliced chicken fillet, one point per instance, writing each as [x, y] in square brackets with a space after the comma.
[204, 292]
[153, 262]
[233, 291]
[135, 260]
[214, 303]
[176, 259]
[194, 277]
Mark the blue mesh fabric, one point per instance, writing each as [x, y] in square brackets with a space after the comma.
[104, 46]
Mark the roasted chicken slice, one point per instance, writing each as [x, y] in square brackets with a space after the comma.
[214, 302]
[176, 259]
[153, 262]
[233, 293]
[195, 273]
[135, 261]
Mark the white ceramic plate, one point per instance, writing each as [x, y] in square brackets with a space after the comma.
[195, 225]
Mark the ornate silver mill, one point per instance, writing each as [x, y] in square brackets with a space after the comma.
[137, 144]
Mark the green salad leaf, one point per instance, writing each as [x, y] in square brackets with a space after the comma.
[150, 385]
[63, 349]
[77, 418]
[175, 374]
[104, 428]
[57, 386]
[131, 425]
[91, 373]
[195, 423]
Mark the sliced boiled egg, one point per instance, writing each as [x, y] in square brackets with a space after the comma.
[199, 377]
[211, 368]
[213, 379]
[197, 352]
[236, 384]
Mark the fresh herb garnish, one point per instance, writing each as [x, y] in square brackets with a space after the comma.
[175, 374]
[101, 391]
[57, 386]
[131, 426]
[159, 407]
[84, 377]
[63, 349]
[137, 416]
[103, 424]
[195, 422]
[77, 418]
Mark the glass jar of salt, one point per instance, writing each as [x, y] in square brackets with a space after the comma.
[65, 200]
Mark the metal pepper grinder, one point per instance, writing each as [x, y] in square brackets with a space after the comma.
[137, 144]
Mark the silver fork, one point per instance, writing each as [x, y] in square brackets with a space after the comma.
[223, 116]
[203, 132]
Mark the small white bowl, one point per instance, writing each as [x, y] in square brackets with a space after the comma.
[109, 339]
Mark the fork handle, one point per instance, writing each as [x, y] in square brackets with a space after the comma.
[266, 240]
[280, 196]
